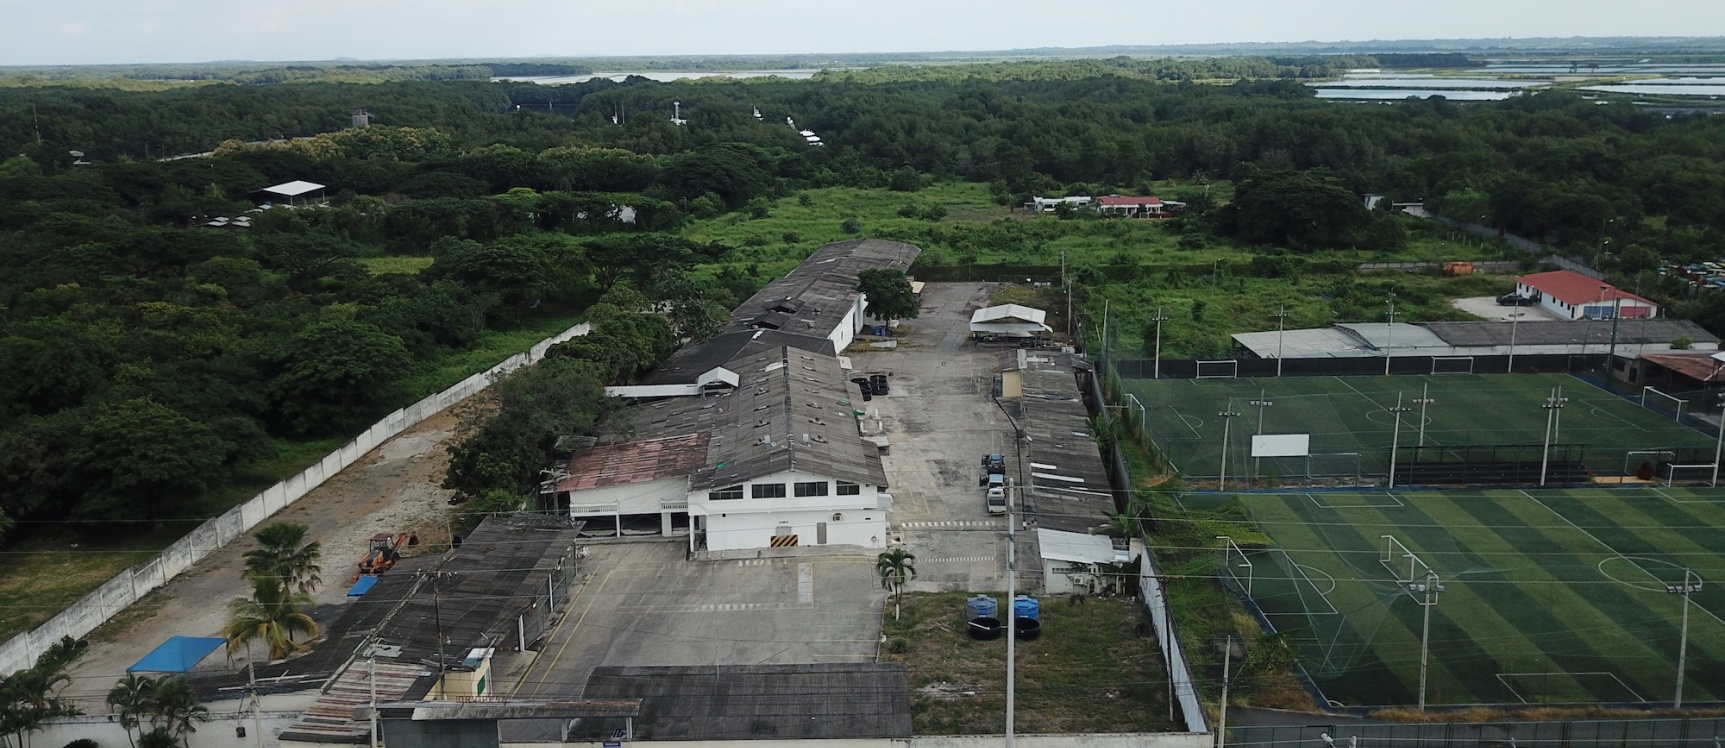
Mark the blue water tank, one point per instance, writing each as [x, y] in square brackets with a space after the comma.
[981, 606]
[1025, 606]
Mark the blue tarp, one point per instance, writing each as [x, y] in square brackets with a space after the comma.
[177, 655]
[362, 586]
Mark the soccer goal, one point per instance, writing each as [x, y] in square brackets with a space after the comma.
[1406, 567]
[1218, 369]
[1452, 364]
[1663, 401]
[1689, 474]
[1635, 458]
[1235, 565]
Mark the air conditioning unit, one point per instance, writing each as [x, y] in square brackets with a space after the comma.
[837, 517]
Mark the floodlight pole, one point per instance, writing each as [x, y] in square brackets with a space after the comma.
[1425, 399]
[1514, 319]
[1159, 319]
[1261, 403]
[1611, 351]
[1719, 445]
[1553, 405]
[1390, 334]
[1430, 588]
[1685, 590]
[1227, 417]
[1396, 436]
[1281, 321]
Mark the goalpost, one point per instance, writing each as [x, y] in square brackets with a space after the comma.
[1701, 473]
[1452, 364]
[1217, 370]
[1234, 561]
[1637, 456]
[1645, 391]
[1393, 558]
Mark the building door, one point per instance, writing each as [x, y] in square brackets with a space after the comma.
[820, 533]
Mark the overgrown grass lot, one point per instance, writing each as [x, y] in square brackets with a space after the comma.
[1094, 669]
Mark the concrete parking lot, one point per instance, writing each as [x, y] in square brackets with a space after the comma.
[940, 420]
[642, 603]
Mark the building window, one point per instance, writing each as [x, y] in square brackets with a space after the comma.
[847, 488]
[812, 488]
[767, 490]
[729, 493]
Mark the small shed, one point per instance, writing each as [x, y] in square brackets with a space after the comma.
[1070, 560]
[1008, 321]
[297, 192]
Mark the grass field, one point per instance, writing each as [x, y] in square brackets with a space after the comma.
[1554, 596]
[1351, 415]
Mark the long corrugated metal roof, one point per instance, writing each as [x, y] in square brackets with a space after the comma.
[742, 702]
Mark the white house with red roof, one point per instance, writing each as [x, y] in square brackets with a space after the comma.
[1131, 207]
[1574, 296]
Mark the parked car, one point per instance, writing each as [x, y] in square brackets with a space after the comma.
[992, 464]
[1511, 299]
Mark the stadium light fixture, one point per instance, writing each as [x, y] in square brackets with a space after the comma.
[1281, 321]
[1261, 403]
[1553, 405]
[1227, 417]
[1428, 589]
[1719, 444]
[1425, 399]
[1390, 334]
[1159, 319]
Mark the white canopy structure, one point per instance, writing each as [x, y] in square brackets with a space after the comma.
[294, 190]
[1009, 321]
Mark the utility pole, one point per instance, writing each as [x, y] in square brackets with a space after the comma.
[371, 675]
[1428, 589]
[1390, 334]
[1396, 436]
[1281, 320]
[1159, 319]
[1227, 662]
[257, 705]
[1012, 604]
[1685, 590]
[1227, 417]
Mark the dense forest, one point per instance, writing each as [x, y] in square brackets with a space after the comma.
[150, 355]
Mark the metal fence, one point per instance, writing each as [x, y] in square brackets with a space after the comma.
[1545, 363]
[1702, 732]
[94, 609]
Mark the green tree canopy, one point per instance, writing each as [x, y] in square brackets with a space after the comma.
[889, 294]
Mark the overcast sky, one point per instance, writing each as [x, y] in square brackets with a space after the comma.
[34, 32]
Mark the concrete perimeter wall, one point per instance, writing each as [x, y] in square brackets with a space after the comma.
[1098, 740]
[128, 586]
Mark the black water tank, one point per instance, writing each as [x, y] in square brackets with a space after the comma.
[1026, 629]
[984, 629]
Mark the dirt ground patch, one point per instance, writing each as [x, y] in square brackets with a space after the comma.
[394, 489]
[1090, 671]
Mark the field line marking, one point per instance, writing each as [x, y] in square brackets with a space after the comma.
[1675, 500]
[1592, 537]
[1511, 688]
[1361, 394]
[1614, 551]
[1294, 566]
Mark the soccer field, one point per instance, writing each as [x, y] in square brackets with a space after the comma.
[1350, 421]
[1549, 596]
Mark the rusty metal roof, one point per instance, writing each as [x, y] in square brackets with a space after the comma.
[640, 461]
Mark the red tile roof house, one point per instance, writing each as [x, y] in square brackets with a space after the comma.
[1132, 207]
[1574, 296]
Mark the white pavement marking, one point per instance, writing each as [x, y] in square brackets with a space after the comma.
[949, 524]
[958, 560]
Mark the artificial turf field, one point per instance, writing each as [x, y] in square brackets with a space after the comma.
[1350, 422]
[1550, 596]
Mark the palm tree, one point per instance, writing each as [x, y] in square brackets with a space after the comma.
[272, 615]
[132, 696]
[283, 554]
[895, 567]
[175, 705]
[27, 697]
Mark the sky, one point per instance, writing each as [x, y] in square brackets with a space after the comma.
[39, 32]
